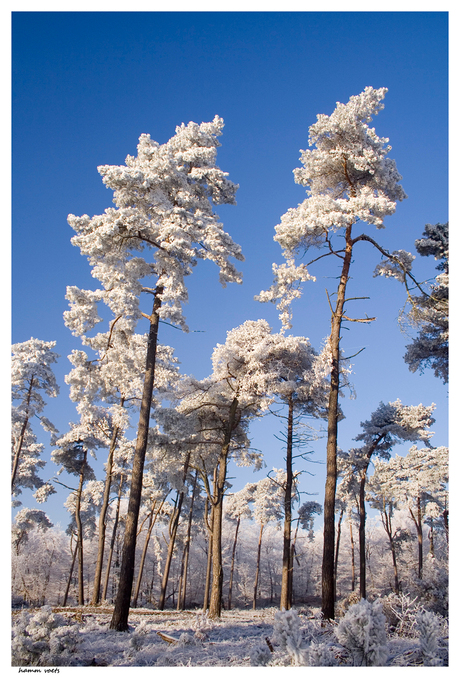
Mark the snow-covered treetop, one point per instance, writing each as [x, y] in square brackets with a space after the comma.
[269, 497]
[162, 224]
[31, 372]
[395, 422]
[348, 176]
[237, 504]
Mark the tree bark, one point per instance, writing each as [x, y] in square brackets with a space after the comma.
[69, 580]
[285, 601]
[174, 524]
[215, 605]
[120, 615]
[152, 521]
[81, 592]
[256, 582]
[352, 544]
[328, 579]
[186, 553]
[112, 541]
[207, 584]
[232, 567]
[103, 517]
[337, 545]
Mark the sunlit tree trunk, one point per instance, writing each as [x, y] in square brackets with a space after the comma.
[112, 541]
[328, 569]
[120, 615]
[81, 592]
[232, 566]
[215, 605]
[186, 553]
[256, 582]
[337, 545]
[69, 580]
[207, 584]
[152, 521]
[285, 602]
[103, 516]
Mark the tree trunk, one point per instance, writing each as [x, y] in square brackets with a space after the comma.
[285, 602]
[17, 452]
[352, 544]
[186, 553]
[207, 585]
[215, 606]
[69, 580]
[81, 591]
[337, 545]
[152, 521]
[103, 516]
[174, 524]
[256, 582]
[420, 538]
[328, 580]
[112, 541]
[120, 615]
[230, 584]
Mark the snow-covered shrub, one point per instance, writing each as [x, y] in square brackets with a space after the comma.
[260, 655]
[428, 627]
[401, 610]
[433, 589]
[42, 639]
[201, 625]
[287, 634]
[320, 654]
[362, 633]
[138, 637]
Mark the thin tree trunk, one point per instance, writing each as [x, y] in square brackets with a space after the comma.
[112, 541]
[291, 571]
[81, 591]
[337, 545]
[232, 567]
[120, 615]
[207, 585]
[285, 602]
[69, 580]
[388, 527]
[352, 545]
[215, 605]
[17, 452]
[186, 553]
[256, 582]
[174, 524]
[420, 538]
[152, 521]
[103, 516]
[328, 579]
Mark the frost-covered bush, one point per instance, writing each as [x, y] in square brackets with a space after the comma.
[42, 639]
[433, 589]
[321, 654]
[401, 610]
[201, 625]
[428, 628]
[260, 655]
[287, 634]
[362, 633]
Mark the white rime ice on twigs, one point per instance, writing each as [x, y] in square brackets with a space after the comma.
[287, 634]
[362, 632]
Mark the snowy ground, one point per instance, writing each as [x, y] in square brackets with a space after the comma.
[81, 637]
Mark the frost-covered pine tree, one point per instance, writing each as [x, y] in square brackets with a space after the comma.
[162, 223]
[349, 179]
[362, 632]
[31, 377]
[390, 424]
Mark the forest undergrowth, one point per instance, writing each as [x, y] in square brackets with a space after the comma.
[391, 631]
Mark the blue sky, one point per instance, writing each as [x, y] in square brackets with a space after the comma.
[85, 85]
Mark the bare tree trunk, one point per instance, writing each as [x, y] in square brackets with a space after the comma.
[152, 521]
[186, 553]
[81, 592]
[337, 545]
[230, 584]
[215, 605]
[103, 516]
[352, 544]
[69, 580]
[20, 441]
[112, 541]
[120, 615]
[285, 602]
[328, 579]
[207, 585]
[174, 524]
[256, 582]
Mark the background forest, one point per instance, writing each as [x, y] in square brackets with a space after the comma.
[181, 442]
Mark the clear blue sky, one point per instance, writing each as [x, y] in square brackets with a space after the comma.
[86, 85]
